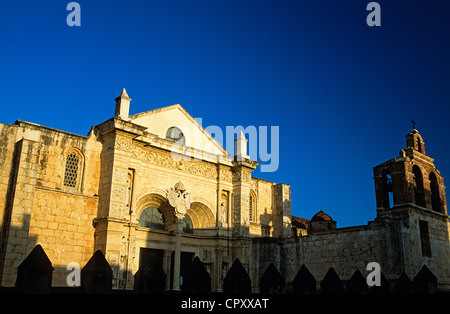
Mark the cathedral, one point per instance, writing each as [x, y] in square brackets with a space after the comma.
[153, 191]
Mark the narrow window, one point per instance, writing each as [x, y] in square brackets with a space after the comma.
[424, 238]
[390, 191]
[71, 172]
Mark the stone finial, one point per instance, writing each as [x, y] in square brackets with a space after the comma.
[241, 147]
[122, 105]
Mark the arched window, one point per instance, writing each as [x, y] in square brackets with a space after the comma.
[419, 196]
[252, 207]
[151, 217]
[174, 134]
[72, 172]
[435, 196]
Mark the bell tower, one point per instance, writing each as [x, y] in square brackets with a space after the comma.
[410, 178]
[412, 210]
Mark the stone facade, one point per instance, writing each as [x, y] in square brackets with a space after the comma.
[36, 206]
[156, 189]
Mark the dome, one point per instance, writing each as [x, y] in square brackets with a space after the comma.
[322, 222]
[321, 216]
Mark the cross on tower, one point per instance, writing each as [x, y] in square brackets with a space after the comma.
[414, 124]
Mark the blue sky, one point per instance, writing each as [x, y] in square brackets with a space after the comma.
[342, 93]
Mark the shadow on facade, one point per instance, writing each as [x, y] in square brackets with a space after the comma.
[11, 245]
[265, 220]
[35, 276]
[13, 232]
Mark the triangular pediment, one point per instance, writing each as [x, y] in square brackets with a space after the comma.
[158, 122]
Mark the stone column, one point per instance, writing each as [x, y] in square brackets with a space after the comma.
[180, 201]
[167, 267]
[177, 259]
[218, 270]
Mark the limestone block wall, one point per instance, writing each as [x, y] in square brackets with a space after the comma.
[282, 217]
[438, 255]
[39, 208]
[346, 250]
[264, 222]
[18, 209]
[7, 142]
[8, 172]
[61, 223]
[395, 242]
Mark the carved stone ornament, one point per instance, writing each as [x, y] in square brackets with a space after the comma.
[166, 160]
[179, 199]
